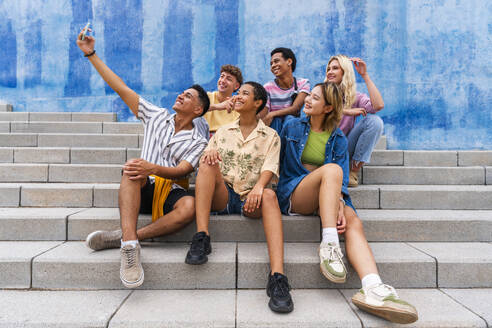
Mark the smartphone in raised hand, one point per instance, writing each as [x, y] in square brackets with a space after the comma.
[85, 30]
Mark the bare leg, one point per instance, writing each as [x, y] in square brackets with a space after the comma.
[272, 224]
[356, 246]
[183, 213]
[320, 189]
[210, 193]
[129, 204]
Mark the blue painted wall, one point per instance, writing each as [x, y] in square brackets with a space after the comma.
[430, 59]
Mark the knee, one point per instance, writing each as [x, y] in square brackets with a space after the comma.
[269, 196]
[186, 208]
[354, 223]
[332, 171]
[206, 168]
[375, 123]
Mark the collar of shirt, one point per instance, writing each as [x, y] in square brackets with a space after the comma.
[305, 120]
[260, 128]
[183, 133]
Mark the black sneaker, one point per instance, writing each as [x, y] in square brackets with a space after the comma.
[278, 290]
[200, 248]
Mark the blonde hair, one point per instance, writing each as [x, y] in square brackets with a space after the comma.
[348, 84]
[332, 95]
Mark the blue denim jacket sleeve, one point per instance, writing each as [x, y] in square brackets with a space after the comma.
[341, 157]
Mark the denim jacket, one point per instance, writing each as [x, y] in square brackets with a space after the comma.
[294, 136]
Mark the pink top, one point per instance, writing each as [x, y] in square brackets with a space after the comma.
[361, 101]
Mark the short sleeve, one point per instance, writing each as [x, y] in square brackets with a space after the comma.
[304, 86]
[267, 89]
[147, 110]
[193, 155]
[202, 126]
[271, 162]
[363, 101]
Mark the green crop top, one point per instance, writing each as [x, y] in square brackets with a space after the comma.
[314, 152]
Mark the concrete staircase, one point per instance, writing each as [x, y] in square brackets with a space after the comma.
[427, 216]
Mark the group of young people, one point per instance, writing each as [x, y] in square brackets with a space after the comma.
[258, 138]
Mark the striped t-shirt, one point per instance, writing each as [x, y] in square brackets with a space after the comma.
[279, 98]
[161, 145]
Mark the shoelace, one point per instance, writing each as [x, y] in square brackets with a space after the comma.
[198, 244]
[386, 288]
[332, 253]
[130, 256]
[280, 286]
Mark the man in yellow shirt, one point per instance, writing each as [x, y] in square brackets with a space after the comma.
[221, 110]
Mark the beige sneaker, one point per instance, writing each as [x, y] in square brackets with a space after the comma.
[131, 271]
[383, 301]
[331, 263]
[103, 239]
[353, 179]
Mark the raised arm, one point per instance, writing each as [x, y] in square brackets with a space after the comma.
[129, 96]
[376, 98]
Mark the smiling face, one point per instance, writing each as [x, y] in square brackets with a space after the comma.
[315, 104]
[187, 102]
[245, 99]
[227, 83]
[279, 65]
[334, 72]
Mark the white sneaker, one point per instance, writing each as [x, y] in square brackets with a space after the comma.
[383, 301]
[131, 271]
[331, 263]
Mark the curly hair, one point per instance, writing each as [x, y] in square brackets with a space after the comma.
[234, 71]
[348, 84]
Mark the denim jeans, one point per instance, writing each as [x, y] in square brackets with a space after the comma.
[363, 137]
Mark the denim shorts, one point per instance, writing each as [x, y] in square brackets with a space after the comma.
[234, 205]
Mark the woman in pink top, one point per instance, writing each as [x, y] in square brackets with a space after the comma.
[363, 136]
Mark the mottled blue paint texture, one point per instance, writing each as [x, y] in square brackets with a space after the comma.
[429, 59]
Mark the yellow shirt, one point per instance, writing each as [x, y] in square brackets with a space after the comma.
[218, 118]
[244, 160]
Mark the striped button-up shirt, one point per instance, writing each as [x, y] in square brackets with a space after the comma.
[164, 147]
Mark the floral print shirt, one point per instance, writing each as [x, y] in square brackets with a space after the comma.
[244, 160]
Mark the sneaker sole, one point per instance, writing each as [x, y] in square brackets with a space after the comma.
[280, 309]
[135, 284]
[330, 277]
[388, 313]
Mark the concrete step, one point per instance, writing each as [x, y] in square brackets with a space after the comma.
[380, 225]
[67, 155]
[5, 108]
[403, 197]
[70, 140]
[71, 127]
[106, 195]
[431, 158]
[69, 173]
[57, 116]
[55, 127]
[313, 308]
[411, 175]
[381, 144]
[73, 265]
[402, 265]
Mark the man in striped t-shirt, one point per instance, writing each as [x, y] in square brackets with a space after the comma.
[286, 93]
[172, 147]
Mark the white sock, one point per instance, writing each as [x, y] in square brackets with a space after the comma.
[330, 235]
[371, 279]
[129, 242]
